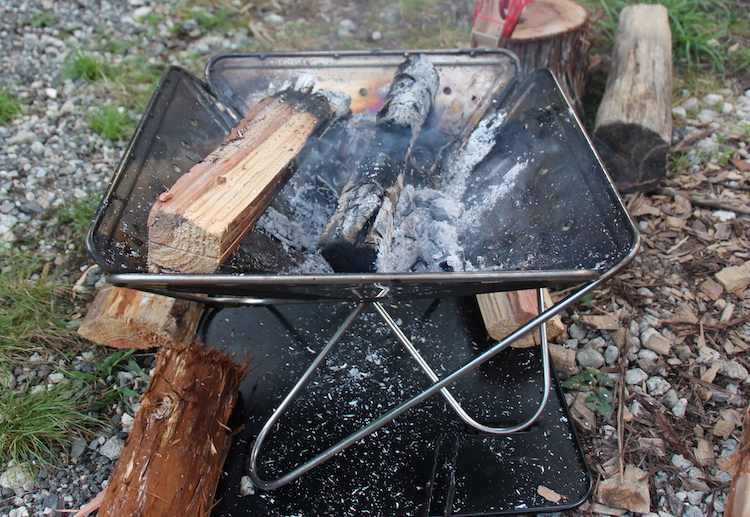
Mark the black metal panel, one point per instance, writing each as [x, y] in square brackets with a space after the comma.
[413, 465]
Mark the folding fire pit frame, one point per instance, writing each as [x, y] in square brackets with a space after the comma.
[585, 234]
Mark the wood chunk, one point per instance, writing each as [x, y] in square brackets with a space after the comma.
[504, 312]
[634, 122]
[549, 494]
[738, 502]
[362, 224]
[704, 453]
[658, 343]
[174, 456]
[199, 222]
[124, 318]
[563, 358]
[602, 321]
[629, 493]
[734, 278]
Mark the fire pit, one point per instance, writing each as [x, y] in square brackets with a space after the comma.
[544, 213]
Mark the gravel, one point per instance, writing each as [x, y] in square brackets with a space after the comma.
[49, 158]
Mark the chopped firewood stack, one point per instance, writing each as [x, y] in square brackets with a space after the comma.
[199, 222]
[363, 221]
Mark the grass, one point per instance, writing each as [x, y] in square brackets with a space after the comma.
[31, 305]
[88, 67]
[34, 422]
[698, 28]
[112, 123]
[9, 106]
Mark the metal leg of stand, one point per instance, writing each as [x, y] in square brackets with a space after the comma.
[445, 392]
[404, 406]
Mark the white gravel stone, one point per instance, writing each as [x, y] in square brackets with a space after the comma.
[657, 386]
[682, 463]
[680, 408]
[55, 378]
[17, 477]
[611, 354]
[589, 357]
[112, 448]
[712, 99]
[635, 377]
[21, 511]
[22, 137]
[679, 112]
[706, 116]
[734, 370]
[691, 103]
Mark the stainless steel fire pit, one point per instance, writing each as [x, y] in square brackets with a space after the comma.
[553, 219]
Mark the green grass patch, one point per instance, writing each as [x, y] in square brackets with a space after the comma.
[88, 67]
[43, 20]
[214, 20]
[34, 422]
[32, 310]
[10, 106]
[112, 123]
[697, 26]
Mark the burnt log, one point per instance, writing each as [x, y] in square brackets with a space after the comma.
[634, 122]
[362, 223]
[199, 222]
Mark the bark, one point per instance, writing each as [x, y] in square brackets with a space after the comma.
[173, 458]
[634, 121]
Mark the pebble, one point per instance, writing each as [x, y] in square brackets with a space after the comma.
[734, 370]
[112, 448]
[657, 386]
[635, 377]
[589, 357]
[17, 478]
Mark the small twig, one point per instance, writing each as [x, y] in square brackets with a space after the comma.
[706, 203]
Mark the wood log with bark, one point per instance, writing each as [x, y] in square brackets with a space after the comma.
[362, 223]
[174, 456]
[199, 222]
[549, 34]
[633, 127]
[124, 318]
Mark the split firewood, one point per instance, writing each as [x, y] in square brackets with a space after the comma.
[199, 222]
[174, 456]
[124, 318]
[504, 312]
[363, 221]
[634, 122]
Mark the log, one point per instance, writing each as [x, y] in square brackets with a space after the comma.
[362, 223]
[738, 501]
[124, 318]
[199, 222]
[504, 312]
[633, 126]
[550, 34]
[172, 461]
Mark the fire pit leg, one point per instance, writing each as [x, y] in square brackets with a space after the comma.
[450, 399]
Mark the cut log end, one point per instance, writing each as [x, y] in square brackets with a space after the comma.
[635, 156]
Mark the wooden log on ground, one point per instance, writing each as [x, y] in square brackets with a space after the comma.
[550, 34]
[738, 502]
[173, 458]
[124, 318]
[363, 220]
[633, 127]
[199, 222]
[505, 312]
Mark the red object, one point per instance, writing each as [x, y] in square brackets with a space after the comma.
[509, 10]
[515, 8]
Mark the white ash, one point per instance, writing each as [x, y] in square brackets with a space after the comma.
[430, 222]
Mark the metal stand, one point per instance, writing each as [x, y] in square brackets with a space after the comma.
[438, 385]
